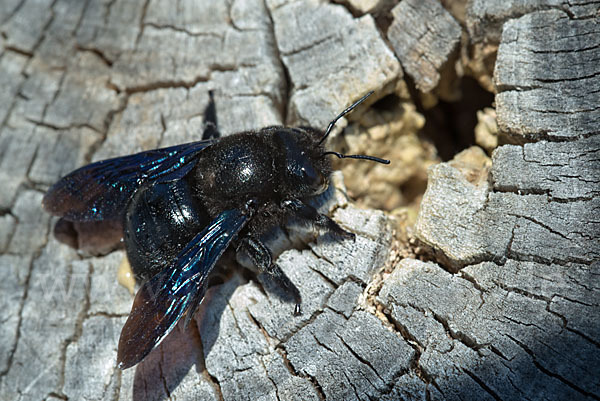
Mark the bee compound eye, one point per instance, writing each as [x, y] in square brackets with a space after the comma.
[309, 175]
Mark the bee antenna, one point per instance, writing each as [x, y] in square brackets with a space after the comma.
[342, 114]
[363, 157]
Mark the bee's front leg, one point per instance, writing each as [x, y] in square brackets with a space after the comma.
[308, 213]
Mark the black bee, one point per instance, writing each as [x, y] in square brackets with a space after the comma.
[182, 207]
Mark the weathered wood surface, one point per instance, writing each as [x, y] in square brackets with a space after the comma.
[520, 313]
[484, 21]
[424, 35]
[509, 312]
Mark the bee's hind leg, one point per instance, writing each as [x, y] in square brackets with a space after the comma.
[211, 130]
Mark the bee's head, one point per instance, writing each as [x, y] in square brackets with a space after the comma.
[307, 168]
[306, 171]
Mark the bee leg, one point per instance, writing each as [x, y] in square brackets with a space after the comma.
[210, 119]
[308, 213]
[263, 260]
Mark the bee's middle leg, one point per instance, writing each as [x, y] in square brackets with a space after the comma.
[263, 260]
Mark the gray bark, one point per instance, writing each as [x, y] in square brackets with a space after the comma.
[424, 35]
[506, 308]
[520, 242]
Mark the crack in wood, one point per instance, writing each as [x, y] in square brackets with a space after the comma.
[98, 53]
[482, 384]
[183, 30]
[13, 349]
[201, 363]
[81, 317]
[547, 372]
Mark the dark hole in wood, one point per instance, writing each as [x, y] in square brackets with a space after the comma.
[451, 125]
[387, 103]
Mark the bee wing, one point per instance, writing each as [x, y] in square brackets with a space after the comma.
[101, 190]
[162, 301]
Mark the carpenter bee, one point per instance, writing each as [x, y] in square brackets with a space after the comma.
[183, 206]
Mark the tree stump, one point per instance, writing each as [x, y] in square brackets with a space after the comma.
[492, 294]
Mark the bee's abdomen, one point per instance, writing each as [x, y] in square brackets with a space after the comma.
[160, 220]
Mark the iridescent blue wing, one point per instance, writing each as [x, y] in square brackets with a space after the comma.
[101, 190]
[162, 301]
